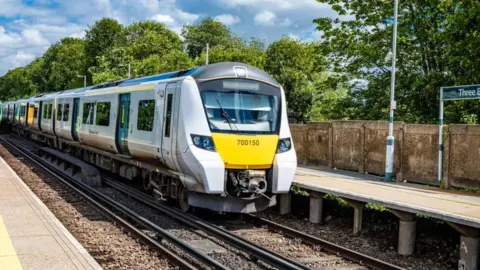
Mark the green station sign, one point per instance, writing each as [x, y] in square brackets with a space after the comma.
[461, 92]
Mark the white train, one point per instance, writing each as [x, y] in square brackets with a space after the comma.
[214, 137]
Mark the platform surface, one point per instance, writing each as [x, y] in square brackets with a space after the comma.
[31, 237]
[458, 207]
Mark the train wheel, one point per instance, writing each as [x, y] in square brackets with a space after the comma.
[183, 199]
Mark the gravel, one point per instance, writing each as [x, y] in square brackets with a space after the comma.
[436, 243]
[230, 257]
[107, 243]
[309, 255]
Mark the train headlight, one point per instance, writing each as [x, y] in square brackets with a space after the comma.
[284, 145]
[204, 142]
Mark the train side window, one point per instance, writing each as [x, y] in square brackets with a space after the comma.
[50, 111]
[103, 114]
[35, 112]
[88, 113]
[66, 110]
[59, 112]
[146, 115]
[45, 111]
[168, 115]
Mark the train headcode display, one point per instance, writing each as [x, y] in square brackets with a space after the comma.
[461, 92]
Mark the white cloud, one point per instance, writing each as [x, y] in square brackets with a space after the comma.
[274, 4]
[33, 37]
[20, 58]
[34, 26]
[265, 17]
[166, 19]
[227, 19]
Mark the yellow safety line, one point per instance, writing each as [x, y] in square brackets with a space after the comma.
[8, 255]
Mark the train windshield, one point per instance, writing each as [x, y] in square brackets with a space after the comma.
[241, 106]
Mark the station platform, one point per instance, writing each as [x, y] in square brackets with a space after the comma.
[460, 210]
[31, 237]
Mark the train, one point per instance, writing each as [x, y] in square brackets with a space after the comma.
[214, 136]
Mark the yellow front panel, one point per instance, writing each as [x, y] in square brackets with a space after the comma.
[246, 151]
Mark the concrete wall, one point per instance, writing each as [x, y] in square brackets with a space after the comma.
[463, 163]
[360, 146]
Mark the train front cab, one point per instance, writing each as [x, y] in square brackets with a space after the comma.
[247, 127]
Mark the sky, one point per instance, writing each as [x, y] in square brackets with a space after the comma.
[29, 27]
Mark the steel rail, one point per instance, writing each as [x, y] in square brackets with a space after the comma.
[331, 247]
[93, 194]
[240, 243]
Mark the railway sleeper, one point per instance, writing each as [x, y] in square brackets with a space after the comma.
[72, 166]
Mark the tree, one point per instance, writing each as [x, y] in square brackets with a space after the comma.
[145, 38]
[62, 63]
[299, 69]
[236, 50]
[149, 47]
[437, 43]
[101, 37]
[208, 31]
[16, 84]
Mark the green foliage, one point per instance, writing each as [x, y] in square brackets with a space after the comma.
[66, 60]
[101, 37]
[16, 84]
[301, 72]
[299, 191]
[437, 46]
[149, 47]
[208, 31]
[148, 37]
[236, 50]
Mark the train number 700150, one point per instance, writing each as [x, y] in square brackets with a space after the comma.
[248, 142]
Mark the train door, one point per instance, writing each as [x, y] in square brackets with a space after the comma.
[123, 123]
[167, 138]
[75, 118]
[30, 114]
[40, 115]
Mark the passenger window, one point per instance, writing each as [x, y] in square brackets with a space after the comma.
[88, 113]
[50, 111]
[146, 115]
[59, 112]
[168, 116]
[35, 112]
[103, 114]
[45, 108]
[66, 110]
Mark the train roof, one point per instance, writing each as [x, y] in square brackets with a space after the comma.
[200, 74]
[231, 70]
[210, 72]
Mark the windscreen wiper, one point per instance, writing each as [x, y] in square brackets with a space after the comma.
[225, 115]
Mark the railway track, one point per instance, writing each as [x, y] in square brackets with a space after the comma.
[336, 257]
[116, 211]
[250, 240]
